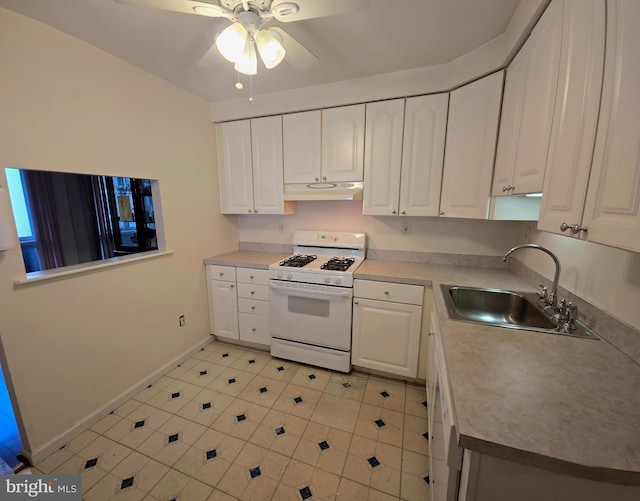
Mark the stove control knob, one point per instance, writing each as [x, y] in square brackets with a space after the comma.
[327, 280]
[289, 276]
[279, 274]
[338, 281]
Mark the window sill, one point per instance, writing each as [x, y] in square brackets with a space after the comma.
[56, 273]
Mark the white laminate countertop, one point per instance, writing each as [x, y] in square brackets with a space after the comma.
[247, 259]
[565, 404]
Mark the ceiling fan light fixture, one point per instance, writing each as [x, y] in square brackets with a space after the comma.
[286, 9]
[270, 49]
[232, 42]
[247, 64]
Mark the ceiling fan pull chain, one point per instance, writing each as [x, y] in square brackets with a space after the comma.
[251, 101]
[239, 85]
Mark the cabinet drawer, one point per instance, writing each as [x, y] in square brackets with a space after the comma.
[253, 306]
[387, 291]
[252, 276]
[254, 328]
[251, 291]
[225, 273]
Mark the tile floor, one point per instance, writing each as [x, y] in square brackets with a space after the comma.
[235, 423]
[10, 442]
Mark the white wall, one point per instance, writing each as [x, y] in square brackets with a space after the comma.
[74, 344]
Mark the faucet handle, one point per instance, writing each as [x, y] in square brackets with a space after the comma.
[572, 315]
[543, 292]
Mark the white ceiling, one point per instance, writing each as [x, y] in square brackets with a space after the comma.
[391, 35]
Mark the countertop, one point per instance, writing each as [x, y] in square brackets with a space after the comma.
[247, 259]
[565, 404]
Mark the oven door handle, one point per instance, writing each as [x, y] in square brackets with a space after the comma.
[347, 293]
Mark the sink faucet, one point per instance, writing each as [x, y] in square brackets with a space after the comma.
[553, 296]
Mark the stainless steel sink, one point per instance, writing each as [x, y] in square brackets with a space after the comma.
[514, 310]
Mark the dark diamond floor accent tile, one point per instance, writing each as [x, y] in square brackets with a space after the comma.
[379, 423]
[203, 373]
[280, 369]
[373, 461]
[174, 438]
[252, 361]
[425, 403]
[298, 400]
[280, 431]
[426, 435]
[323, 445]
[311, 376]
[127, 482]
[175, 395]
[149, 386]
[384, 394]
[206, 405]
[231, 381]
[139, 424]
[241, 417]
[179, 365]
[426, 479]
[255, 472]
[263, 389]
[201, 349]
[211, 454]
[346, 385]
[225, 355]
[305, 492]
[91, 463]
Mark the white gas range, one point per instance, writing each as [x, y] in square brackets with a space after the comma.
[310, 298]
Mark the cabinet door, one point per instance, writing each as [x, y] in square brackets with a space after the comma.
[236, 176]
[514, 89]
[383, 157]
[343, 143]
[268, 182]
[302, 147]
[386, 336]
[575, 115]
[474, 112]
[224, 306]
[612, 212]
[539, 100]
[255, 328]
[425, 126]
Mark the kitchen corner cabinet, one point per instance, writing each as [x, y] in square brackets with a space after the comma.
[386, 326]
[527, 109]
[474, 112]
[223, 301]
[404, 152]
[239, 303]
[251, 167]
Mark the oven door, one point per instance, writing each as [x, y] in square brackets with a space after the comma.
[313, 314]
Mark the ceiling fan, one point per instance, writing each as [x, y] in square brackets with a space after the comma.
[247, 34]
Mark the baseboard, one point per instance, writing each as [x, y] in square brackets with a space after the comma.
[53, 445]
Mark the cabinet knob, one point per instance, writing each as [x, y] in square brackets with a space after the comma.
[254, 329]
[505, 188]
[253, 307]
[511, 188]
[251, 277]
[355, 301]
[430, 333]
[386, 293]
[575, 228]
[222, 273]
[393, 211]
[324, 178]
[441, 213]
[232, 286]
[403, 212]
[253, 292]
[255, 211]
[317, 178]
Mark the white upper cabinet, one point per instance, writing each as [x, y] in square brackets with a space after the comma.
[474, 112]
[343, 143]
[528, 106]
[612, 211]
[302, 144]
[403, 172]
[383, 157]
[251, 160]
[575, 116]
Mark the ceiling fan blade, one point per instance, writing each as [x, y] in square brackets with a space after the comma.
[309, 9]
[297, 55]
[209, 9]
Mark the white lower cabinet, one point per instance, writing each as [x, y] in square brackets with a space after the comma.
[386, 326]
[239, 303]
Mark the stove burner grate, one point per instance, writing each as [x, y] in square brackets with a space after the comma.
[298, 260]
[338, 264]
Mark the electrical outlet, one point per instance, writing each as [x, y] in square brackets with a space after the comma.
[281, 227]
[406, 229]
[181, 321]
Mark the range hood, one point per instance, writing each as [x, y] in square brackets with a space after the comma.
[323, 191]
